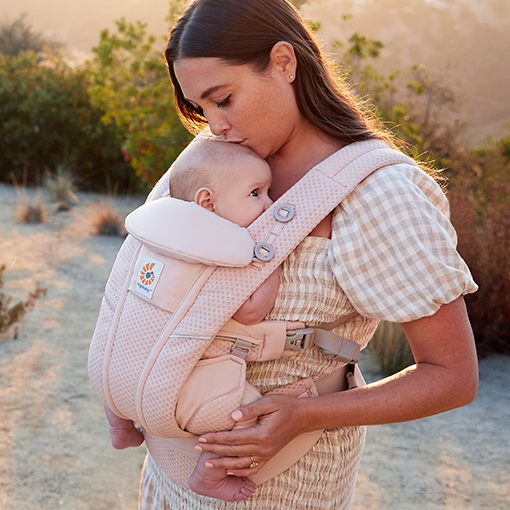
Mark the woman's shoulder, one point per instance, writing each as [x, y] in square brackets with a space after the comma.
[396, 186]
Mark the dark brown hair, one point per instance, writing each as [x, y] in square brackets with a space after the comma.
[243, 32]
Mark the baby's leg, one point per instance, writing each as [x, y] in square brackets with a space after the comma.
[215, 483]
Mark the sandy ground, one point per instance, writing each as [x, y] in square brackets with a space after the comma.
[54, 443]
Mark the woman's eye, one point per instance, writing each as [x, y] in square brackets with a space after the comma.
[255, 193]
[225, 102]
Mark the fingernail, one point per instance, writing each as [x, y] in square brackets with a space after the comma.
[237, 415]
[230, 473]
[202, 440]
[198, 447]
[208, 464]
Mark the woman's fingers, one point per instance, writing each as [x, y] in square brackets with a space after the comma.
[276, 426]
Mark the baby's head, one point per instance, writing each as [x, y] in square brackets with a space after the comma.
[227, 179]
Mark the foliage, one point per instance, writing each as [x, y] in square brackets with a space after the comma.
[18, 35]
[131, 84]
[413, 110]
[418, 111]
[48, 120]
[480, 206]
[10, 315]
[391, 348]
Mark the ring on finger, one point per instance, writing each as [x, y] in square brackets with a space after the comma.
[253, 463]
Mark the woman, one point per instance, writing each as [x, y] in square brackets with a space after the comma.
[253, 72]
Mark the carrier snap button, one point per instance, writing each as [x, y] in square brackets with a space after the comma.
[284, 213]
[263, 252]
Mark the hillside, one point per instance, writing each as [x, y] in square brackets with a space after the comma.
[464, 41]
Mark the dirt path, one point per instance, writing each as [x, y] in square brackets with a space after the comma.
[54, 445]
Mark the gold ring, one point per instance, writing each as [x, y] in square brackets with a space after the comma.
[253, 463]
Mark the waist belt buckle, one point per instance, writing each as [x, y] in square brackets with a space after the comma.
[299, 339]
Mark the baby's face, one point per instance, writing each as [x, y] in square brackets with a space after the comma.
[242, 195]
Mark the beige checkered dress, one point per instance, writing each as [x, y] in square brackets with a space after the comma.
[392, 256]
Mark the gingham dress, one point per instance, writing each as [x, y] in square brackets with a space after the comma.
[391, 256]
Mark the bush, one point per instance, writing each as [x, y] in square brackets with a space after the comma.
[11, 315]
[480, 208]
[18, 35]
[131, 84]
[48, 120]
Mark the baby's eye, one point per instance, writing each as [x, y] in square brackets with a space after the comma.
[225, 102]
[255, 193]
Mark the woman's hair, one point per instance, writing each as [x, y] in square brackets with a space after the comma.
[243, 32]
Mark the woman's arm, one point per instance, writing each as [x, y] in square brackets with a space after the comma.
[445, 377]
[258, 305]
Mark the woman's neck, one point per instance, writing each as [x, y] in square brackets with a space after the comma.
[299, 155]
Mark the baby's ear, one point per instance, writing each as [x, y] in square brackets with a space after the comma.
[204, 198]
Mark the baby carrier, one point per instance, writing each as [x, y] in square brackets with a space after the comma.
[166, 353]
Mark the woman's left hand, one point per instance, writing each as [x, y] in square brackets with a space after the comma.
[278, 423]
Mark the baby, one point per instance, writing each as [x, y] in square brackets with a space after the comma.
[232, 182]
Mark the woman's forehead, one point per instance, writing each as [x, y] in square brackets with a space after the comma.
[200, 77]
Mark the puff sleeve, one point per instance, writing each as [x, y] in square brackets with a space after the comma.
[394, 249]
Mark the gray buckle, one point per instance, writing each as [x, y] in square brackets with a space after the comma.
[348, 352]
[263, 252]
[299, 339]
[241, 348]
[284, 213]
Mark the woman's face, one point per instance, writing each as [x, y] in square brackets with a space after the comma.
[255, 110]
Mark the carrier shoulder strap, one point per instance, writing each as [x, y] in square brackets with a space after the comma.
[277, 232]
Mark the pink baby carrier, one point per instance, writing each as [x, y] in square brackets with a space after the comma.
[166, 353]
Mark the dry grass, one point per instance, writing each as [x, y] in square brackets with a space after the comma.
[105, 220]
[28, 212]
[61, 187]
[391, 348]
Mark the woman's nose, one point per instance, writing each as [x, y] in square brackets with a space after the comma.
[218, 124]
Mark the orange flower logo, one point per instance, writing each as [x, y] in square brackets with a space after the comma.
[147, 274]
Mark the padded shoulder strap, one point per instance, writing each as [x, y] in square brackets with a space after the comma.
[311, 199]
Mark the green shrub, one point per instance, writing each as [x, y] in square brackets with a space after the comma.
[48, 120]
[131, 84]
[18, 35]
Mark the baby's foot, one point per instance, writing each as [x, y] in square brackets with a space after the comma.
[124, 437]
[215, 483]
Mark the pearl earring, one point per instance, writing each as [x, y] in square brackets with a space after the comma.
[291, 77]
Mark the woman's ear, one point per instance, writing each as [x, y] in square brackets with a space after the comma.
[283, 58]
[204, 197]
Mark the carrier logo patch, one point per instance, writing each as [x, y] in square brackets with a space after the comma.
[148, 276]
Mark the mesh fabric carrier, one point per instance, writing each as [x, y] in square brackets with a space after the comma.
[158, 355]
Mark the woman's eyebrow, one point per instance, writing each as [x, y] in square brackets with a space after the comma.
[210, 90]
